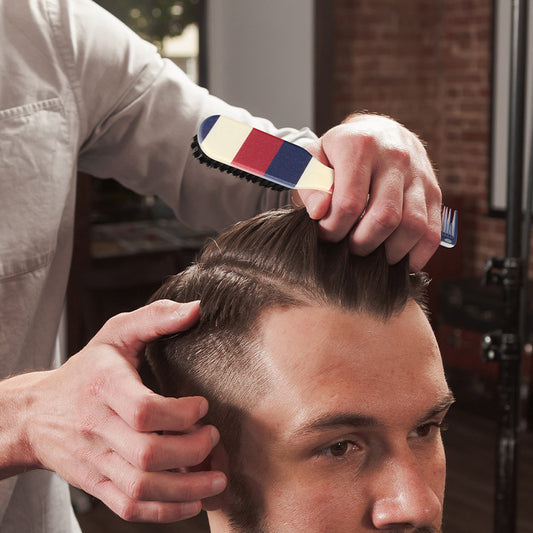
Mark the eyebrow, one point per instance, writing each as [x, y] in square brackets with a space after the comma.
[331, 421]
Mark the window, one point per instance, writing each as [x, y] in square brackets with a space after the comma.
[500, 109]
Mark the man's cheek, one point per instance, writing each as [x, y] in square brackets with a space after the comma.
[311, 506]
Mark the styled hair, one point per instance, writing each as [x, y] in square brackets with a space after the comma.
[274, 260]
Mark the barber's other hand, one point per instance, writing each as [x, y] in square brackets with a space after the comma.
[378, 160]
[93, 422]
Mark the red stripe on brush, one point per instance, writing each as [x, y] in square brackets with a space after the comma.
[257, 152]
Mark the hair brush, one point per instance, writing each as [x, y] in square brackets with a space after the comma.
[252, 154]
[257, 156]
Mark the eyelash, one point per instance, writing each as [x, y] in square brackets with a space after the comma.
[350, 446]
[441, 426]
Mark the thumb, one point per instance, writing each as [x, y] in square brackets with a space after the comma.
[317, 203]
[130, 332]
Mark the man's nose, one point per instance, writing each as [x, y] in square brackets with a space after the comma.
[405, 499]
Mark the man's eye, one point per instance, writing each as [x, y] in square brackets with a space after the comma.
[426, 430]
[339, 449]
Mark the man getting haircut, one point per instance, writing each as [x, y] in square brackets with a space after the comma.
[322, 375]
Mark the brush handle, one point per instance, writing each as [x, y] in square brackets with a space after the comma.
[260, 154]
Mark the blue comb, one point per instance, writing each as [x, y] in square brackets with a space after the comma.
[448, 237]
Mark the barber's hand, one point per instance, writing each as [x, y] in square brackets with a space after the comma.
[94, 422]
[377, 160]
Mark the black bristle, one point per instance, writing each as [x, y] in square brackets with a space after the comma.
[239, 173]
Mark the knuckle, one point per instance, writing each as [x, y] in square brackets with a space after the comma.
[138, 488]
[365, 142]
[389, 217]
[416, 224]
[352, 205]
[127, 510]
[400, 156]
[114, 322]
[141, 413]
[111, 332]
[86, 426]
[146, 456]
[161, 307]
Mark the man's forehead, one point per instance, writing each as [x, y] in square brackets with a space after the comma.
[328, 335]
[322, 358]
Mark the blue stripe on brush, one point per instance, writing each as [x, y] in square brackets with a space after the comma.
[205, 127]
[288, 164]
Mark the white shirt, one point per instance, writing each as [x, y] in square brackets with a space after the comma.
[78, 90]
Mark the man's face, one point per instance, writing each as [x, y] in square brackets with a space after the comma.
[348, 438]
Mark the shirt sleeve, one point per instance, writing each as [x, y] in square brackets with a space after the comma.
[139, 114]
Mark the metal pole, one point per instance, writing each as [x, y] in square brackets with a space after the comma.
[511, 344]
[515, 157]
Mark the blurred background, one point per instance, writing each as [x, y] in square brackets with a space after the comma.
[441, 68]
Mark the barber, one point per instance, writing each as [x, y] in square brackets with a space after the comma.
[79, 91]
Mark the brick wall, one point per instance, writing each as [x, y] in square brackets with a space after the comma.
[427, 63]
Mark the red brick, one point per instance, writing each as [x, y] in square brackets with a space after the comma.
[428, 65]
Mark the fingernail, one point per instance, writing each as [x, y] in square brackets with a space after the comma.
[219, 483]
[203, 408]
[185, 309]
[215, 435]
[313, 204]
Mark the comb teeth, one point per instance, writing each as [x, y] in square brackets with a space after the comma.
[206, 160]
[449, 227]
